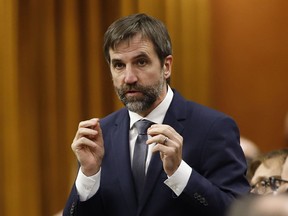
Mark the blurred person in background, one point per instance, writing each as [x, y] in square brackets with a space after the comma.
[266, 172]
[251, 151]
[267, 205]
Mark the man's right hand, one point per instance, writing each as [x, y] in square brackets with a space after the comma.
[88, 146]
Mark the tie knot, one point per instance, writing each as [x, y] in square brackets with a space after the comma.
[142, 126]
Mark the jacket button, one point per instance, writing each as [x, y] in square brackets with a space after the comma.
[72, 209]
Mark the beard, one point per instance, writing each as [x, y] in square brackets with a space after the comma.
[142, 103]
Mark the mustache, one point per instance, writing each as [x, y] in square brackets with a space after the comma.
[132, 87]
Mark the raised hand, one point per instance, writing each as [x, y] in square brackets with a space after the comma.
[169, 143]
[88, 146]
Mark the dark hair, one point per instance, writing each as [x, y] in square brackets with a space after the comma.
[127, 27]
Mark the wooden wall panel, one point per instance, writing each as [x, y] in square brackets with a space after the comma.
[250, 67]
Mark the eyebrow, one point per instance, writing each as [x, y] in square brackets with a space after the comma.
[141, 55]
[113, 61]
[260, 178]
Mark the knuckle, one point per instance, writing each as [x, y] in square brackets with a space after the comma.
[174, 150]
[81, 131]
[82, 139]
[80, 124]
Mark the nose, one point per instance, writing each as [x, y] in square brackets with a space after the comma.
[130, 75]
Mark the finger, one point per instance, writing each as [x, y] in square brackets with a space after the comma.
[165, 140]
[165, 130]
[82, 143]
[98, 129]
[88, 123]
[166, 150]
[87, 132]
[160, 139]
[160, 129]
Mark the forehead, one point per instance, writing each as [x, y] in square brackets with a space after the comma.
[271, 167]
[137, 45]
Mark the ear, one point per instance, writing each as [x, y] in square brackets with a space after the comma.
[167, 66]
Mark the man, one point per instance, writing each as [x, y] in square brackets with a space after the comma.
[266, 172]
[250, 149]
[194, 164]
[251, 152]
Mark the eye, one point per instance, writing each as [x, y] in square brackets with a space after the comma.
[263, 183]
[278, 182]
[118, 65]
[142, 62]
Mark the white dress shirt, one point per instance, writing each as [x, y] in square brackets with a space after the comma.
[88, 186]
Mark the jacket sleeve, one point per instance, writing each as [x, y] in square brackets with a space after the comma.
[74, 207]
[221, 174]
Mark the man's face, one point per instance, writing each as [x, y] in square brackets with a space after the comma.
[271, 167]
[138, 76]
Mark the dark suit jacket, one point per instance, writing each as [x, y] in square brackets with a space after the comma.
[211, 147]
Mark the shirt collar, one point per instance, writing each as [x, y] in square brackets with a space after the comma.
[157, 115]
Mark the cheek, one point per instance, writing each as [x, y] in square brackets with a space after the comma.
[116, 78]
[116, 82]
[151, 76]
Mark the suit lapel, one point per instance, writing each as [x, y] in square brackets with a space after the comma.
[122, 163]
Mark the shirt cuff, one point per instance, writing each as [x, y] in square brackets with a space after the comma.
[87, 186]
[178, 181]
